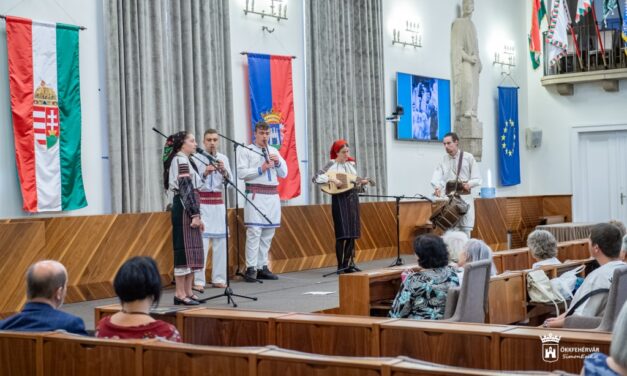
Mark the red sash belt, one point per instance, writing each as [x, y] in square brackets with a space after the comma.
[211, 198]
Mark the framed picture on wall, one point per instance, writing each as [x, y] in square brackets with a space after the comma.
[426, 102]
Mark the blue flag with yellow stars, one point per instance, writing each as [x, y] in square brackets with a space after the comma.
[508, 140]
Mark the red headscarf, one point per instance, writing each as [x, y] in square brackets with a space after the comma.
[337, 146]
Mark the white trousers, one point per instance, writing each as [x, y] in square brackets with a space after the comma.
[258, 241]
[218, 260]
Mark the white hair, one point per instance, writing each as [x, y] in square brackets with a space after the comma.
[455, 242]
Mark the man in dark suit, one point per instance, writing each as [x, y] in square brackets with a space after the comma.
[46, 286]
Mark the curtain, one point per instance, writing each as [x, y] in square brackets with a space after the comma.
[345, 93]
[168, 67]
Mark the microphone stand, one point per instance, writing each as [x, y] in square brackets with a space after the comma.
[237, 144]
[399, 260]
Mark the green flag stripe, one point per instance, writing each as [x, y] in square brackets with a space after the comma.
[72, 189]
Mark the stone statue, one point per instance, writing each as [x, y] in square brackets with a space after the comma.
[466, 65]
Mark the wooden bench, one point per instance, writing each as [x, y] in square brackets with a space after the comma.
[171, 315]
[21, 354]
[521, 348]
[506, 298]
[226, 327]
[329, 334]
[458, 344]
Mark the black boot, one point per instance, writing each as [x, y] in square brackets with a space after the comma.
[265, 273]
[250, 275]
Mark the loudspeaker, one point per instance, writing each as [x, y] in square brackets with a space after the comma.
[533, 137]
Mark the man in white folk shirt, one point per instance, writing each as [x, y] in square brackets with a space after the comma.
[469, 177]
[260, 172]
[212, 212]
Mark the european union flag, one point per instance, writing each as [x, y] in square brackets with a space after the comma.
[508, 140]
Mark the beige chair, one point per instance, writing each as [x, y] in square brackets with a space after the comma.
[468, 303]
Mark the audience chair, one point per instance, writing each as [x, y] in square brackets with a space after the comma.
[615, 301]
[468, 303]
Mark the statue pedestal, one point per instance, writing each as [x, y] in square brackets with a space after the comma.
[470, 132]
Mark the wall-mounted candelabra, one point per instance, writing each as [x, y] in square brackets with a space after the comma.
[505, 56]
[410, 36]
[278, 9]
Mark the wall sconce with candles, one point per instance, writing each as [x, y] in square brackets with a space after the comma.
[505, 57]
[278, 9]
[412, 29]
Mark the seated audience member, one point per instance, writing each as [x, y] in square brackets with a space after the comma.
[623, 250]
[46, 286]
[605, 243]
[138, 286]
[474, 250]
[543, 248]
[423, 293]
[598, 364]
[455, 241]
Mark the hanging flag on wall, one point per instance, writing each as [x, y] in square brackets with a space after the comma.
[46, 108]
[508, 140]
[538, 12]
[557, 35]
[583, 6]
[272, 100]
[625, 26]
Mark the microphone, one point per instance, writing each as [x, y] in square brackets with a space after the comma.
[211, 158]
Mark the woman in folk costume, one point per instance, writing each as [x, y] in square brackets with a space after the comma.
[181, 177]
[344, 206]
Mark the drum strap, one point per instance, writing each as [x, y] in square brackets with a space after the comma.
[459, 169]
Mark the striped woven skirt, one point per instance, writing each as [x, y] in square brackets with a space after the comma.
[187, 241]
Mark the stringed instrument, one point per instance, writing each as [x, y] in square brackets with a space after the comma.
[349, 181]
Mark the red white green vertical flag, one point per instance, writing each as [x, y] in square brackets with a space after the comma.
[538, 12]
[46, 108]
[583, 6]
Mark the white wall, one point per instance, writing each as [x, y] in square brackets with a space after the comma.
[94, 132]
[410, 164]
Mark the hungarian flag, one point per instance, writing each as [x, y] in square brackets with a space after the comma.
[557, 35]
[538, 11]
[46, 108]
[272, 100]
[583, 6]
[625, 27]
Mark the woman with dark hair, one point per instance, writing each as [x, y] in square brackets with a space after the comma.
[423, 293]
[344, 206]
[138, 285]
[181, 177]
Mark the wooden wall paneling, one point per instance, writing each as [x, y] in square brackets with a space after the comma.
[225, 327]
[521, 348]
[119, 243]
[20, 245]
[161, 359]
[491, 222]
[413, 214]
[21, 354]
[465, 344]
[66, 354]
[280, 362]
[329, 334]
[558, 205]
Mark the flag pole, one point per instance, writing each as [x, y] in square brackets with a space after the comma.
[596, 27]
[4, 17]
[576, 43]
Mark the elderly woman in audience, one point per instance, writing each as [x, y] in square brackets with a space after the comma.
[423, 293]
[543, 247]
[138, 285]
[598, 364]
[474, 250]
[455, 241]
